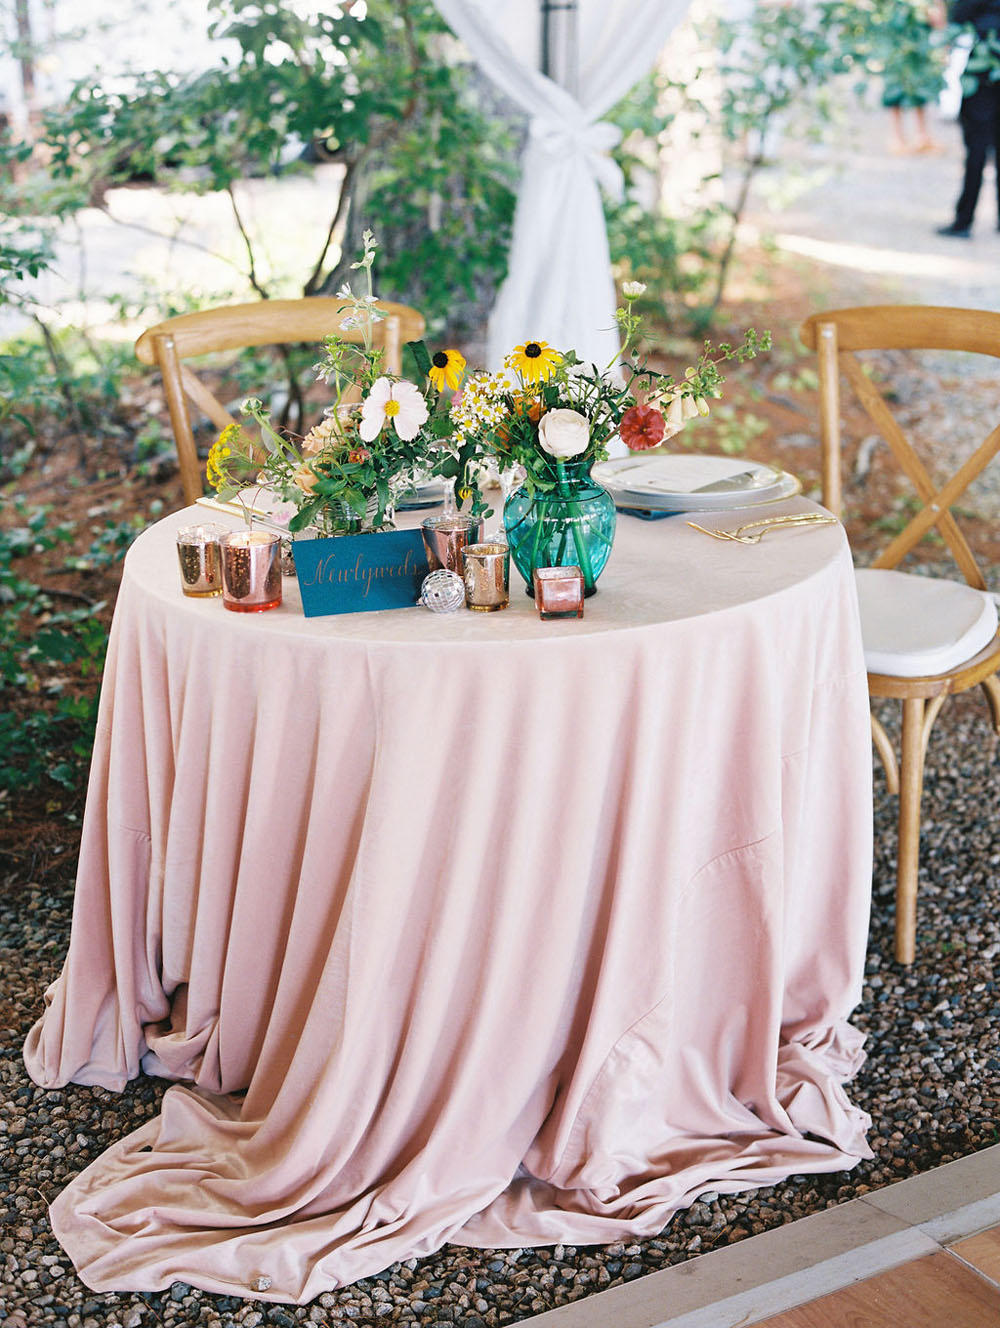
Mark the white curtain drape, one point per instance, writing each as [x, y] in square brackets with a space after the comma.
[559, 286]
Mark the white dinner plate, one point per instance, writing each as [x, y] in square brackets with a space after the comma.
[428, 493]
[690, 482]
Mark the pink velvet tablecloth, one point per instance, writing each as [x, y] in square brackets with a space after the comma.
[466, 928]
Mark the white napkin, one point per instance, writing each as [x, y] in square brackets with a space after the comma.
[680, 474]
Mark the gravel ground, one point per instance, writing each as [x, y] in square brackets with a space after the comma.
[930, 1083]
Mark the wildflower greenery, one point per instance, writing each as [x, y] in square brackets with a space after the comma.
[546, 406]
[376, 440]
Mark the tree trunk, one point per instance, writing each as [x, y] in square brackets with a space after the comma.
[26, 57]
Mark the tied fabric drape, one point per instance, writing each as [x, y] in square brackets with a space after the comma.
[559, 286]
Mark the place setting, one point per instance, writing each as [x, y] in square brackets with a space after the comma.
[663, 485]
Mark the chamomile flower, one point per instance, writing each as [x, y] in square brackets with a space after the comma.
[480, 406]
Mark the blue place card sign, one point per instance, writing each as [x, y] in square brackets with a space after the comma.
[360, 573]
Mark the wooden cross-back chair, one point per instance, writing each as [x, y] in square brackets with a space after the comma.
[234, 327]
[925, 637]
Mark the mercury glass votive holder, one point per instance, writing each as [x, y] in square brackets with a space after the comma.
[446, 535]
[486, 570]
[251, 570]
[558, 592]
[200, 559]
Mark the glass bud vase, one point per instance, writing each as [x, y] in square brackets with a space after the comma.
[572, 524]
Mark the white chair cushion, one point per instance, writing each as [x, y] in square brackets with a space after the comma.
[920, 626]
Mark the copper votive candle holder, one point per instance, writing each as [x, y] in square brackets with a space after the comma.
[251, 570]
[486, 570]
[558, 592]
[445, 536]
[200, 559]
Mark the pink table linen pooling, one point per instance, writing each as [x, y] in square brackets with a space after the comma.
[512, 932]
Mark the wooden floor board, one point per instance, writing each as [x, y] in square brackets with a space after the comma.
[982, 1251]
[927, 1293]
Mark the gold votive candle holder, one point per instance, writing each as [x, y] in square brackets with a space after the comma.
[486, 569]
[200, 559]
[445, 536]
[251, 570]
[558, 592]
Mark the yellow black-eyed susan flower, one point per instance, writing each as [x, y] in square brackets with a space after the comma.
[447, 368]
[535, 361]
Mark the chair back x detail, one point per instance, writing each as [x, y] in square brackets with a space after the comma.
[170, 344]
[925, 637]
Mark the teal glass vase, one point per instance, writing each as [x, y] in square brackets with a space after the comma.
[570, 525]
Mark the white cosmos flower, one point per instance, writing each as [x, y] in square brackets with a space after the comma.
[402, 403]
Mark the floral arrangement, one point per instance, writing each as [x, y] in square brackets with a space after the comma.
[378, 436]
[545, 407]
[381, 434]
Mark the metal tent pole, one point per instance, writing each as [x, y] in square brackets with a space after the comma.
[560, 51]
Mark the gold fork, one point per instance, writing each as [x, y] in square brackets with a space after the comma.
[760, 528]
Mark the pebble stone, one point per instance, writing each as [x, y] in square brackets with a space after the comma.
[929, 1083]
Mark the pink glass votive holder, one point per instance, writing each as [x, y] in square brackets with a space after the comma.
[200, 559]
[486, 571]
[251, 570]
[445, 536]
[558, 592]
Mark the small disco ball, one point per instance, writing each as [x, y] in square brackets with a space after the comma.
[442, 591]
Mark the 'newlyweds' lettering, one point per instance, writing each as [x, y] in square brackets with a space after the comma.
[327, 572]
[360, 573]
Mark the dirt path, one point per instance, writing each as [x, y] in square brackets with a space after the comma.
[874, 214]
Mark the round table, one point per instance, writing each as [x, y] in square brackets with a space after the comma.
[470, 927]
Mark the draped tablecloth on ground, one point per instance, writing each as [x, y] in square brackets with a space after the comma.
[470, 928]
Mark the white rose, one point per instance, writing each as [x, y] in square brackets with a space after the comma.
[563, 433]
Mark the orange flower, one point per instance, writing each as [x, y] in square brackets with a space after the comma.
[641, 428]
[534, 408]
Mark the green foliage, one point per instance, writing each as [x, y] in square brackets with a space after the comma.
[24, 252]
[374, 95]
[442, 200]
[27, 389]
[734, 429]
[984, 59]
[57, 380]
[31, 206]
[803, 379]
[912, 55]
[780, 66]
[670, 255]
[110, 542]
[46, 726]
[786, 56]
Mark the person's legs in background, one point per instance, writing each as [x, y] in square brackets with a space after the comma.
[978, 120]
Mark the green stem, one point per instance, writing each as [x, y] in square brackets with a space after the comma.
[536, 540]
[582, 552]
